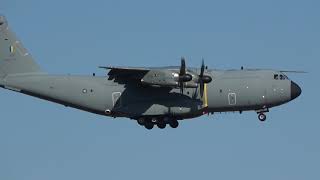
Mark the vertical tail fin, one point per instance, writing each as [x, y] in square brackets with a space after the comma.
[14, 58]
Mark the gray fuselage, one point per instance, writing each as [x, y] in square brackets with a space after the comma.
[232, 90]
[152, 96]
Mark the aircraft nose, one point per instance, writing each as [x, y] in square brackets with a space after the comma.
[295, 90]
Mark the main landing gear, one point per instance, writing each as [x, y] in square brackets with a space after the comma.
[174, 124]
[161, 123]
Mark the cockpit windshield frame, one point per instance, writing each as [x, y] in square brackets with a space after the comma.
[280, 76]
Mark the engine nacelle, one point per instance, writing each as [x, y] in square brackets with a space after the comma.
[206, 79]
[185, 78]
[160, 78]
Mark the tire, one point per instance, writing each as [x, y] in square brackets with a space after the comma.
[174, 124]
[262, 117]
[162, 125]
[141, 121]
[148, 125]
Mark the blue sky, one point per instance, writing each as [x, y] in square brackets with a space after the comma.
[41, 140]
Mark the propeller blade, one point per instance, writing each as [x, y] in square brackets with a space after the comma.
[183, 67]
[201, 88]
[202, 68]
[181, 87]
[203, 79]
[182, 74]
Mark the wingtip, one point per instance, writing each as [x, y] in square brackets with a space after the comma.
[104, 67]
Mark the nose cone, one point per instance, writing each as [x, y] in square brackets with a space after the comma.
[295, 90]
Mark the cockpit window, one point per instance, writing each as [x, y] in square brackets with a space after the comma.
[280, 77]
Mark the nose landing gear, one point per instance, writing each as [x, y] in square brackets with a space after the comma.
[261, 114]
[262, 117]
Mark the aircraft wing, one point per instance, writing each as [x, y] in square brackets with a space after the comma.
[123, 74]
[117, 70]
[146, 76]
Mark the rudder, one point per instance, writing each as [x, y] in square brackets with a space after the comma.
[14, 58]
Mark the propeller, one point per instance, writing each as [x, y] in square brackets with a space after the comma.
[183, 76]
[203, 79]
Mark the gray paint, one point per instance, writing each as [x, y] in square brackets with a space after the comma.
[254, 90]
[141, 92]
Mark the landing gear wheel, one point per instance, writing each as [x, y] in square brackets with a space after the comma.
[161, 125]
[148, 125]
[174, 124]
[262, 117]
[141, 121]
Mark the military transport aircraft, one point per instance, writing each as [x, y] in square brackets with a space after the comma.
[151, 96]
